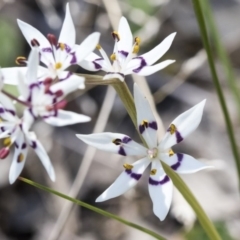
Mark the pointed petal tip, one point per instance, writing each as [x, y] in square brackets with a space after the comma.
[99, 199]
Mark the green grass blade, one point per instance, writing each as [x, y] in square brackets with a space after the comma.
[92, 208]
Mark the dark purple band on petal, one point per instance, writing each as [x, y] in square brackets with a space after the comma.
[48, 49]
[34, 145]
[2, 129]
[155, 183]
[142, 64]
[74, 58]
[16, 145]
[126, 140]
[178, 137]
[66, 47]
[176, 165]
[136, 176]
[144, 126]
[121, 151]
[68, 76]
[2, 110]
[153, 125]
[124, 53]
[24, 145]
[10, 111]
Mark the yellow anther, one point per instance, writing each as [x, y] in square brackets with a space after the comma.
[115, 35]
[20, 158]
[62, 46]
[20, 60]
[127, 166]
[7, 142]
[113, 57]
[172, 129]
[98, 47]
[58, 65]
[117, 141]
[144, 123]
[171, 152]
[136, 48]
[137, 40]
[153, 172]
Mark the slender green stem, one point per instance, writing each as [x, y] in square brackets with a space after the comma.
[178, 182]
[92, 208]
[222, 53]
[201, 23]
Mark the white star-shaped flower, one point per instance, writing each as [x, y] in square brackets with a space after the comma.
[160, 185]
[15, 132]
[124, 59]
[56, 55]
[45, 99]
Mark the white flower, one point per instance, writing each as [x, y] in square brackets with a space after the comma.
[160, 185]
[124, 56]
[16, 133]
[57, 56]
[46, 100]
[1, 79]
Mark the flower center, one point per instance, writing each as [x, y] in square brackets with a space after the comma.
[58, 65]
[152, 153]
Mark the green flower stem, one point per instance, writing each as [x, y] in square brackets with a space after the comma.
[207, 225]
[92, 208]
[201, 23]
[189, 197]
[223, 56]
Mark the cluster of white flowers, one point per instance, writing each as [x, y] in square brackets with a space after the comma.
[43, 83]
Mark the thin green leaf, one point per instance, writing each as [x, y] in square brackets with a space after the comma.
[92, 208]
[200, 18]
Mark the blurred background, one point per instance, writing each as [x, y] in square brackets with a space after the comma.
[27, 213]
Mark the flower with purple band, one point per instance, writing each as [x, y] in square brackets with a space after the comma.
[45, 99]
[15, 132]
[124, 59]
[160, 185]
[56, 55]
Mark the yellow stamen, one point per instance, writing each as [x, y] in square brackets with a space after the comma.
[117, 141]
[20, 60]
[58, 65]
[7, 142]
[62, 46]
[171, 152]
[20, 158]
[98, 47]
[144, 123]
[113, 57]
[115, 35]
[153, 172]
[172, 129]
[127, 166]
[137, 40]
[136, 48]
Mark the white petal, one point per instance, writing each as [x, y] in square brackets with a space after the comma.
[65, 118]
[148, 70]
[32, 70]
[11, 74]
[28, 120]
[68, 82]
[17, 166]
[68, 33]
[7, 110]
[160, 189]
[22, 87]
[185, 124]
[42, 154]
[126, 39]
[93, 62]
[157, 52]
[125, 181]
[123, 145]
[87, 46]
[183, 163]
[113, 75]
[146, 122]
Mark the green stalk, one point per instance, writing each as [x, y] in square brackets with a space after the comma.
[223, 56]
[207, 225]
[92, 208]
[201, 23]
